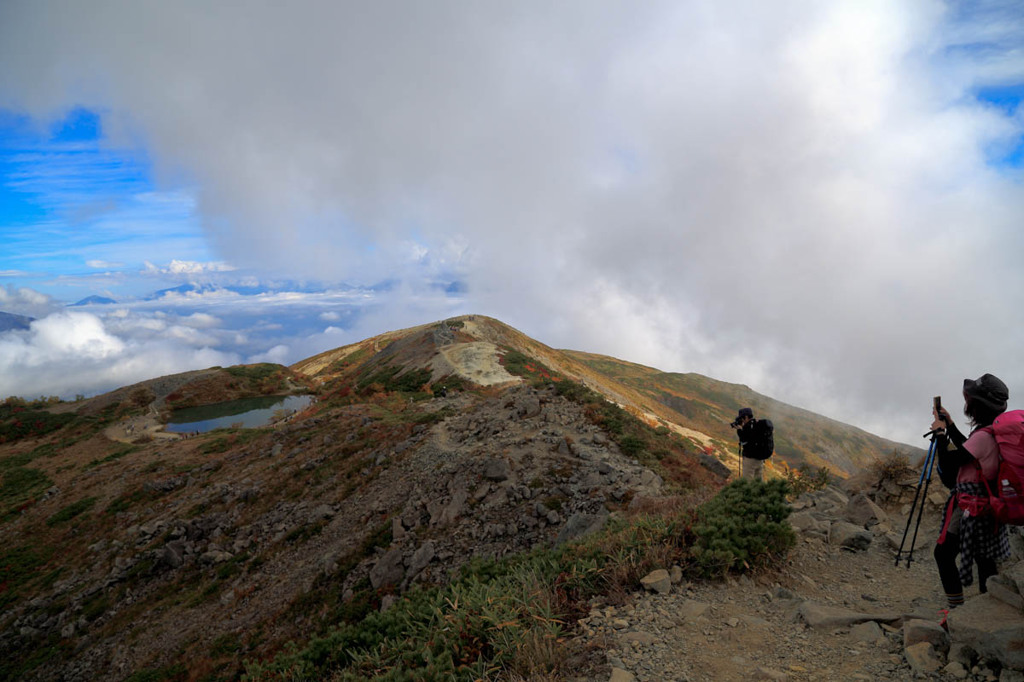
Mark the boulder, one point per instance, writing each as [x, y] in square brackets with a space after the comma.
[1005, 590]
[809, 521]
[581, 525]
[991, 628]
[420, 558]
[862, 511]
[844, 534]
[657, 581]
[388, 570]
[714, 465]
[922, 658]
[915, 630]
[496, 470]
[833, 617]
[869, 633]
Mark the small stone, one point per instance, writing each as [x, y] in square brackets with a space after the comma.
[620, 675]
[922, 657]
[657, 581]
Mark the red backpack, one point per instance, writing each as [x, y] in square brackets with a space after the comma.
[1007, 501]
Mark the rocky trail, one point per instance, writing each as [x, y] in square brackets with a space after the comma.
[838, 609]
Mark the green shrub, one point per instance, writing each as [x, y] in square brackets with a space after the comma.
[508, 617]
[742, 527]
[804, 479]
[19, 487]
[19, 566]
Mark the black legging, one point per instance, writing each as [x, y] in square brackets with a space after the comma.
[945, 559]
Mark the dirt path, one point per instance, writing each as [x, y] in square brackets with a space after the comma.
[751, 628]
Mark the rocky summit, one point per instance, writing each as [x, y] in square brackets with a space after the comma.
[131, 553]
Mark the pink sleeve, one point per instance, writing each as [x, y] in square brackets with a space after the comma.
[982, 446]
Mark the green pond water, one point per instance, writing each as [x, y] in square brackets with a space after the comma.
[249, 412]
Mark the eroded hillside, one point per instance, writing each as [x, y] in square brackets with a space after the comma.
[184, 558]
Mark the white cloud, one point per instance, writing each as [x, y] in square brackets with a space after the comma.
[279, 354]
[103, 265]
[795, 196]
[72, 352]
[201, 321]
[330, 316]
[181, 267]
[25, 301]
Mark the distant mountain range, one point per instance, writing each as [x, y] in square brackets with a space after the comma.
[93, 300]
[10, 321]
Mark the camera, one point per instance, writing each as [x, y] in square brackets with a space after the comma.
[735, 424]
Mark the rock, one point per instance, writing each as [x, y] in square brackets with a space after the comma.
[676, 574]
[915, 631]
[862, 511]
[832, 617]
[581, 525]
[496, 470]
[955, 670]
[922, 658]
[323, 512]
[692, 610]
[762, 673]
[991, 628]
[620, 675]
[171, 556]
[844, 534]
[1015, 575]
[809, 521]
[869, 633]
[640, 637]
[215, 556]
[1005, 590]
[713, 464]
[834, 495]
[388, 570]
[657, 581]
[420, 558]
[649, 479]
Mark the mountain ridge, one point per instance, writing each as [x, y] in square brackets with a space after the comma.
[425, 450]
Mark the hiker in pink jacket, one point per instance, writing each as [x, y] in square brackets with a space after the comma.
[968, 530]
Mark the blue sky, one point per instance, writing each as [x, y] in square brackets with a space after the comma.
[775, 194]
[81, 216]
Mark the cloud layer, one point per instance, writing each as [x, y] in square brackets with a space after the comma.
[805, 197]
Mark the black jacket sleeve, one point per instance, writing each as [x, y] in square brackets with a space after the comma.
[951, 454]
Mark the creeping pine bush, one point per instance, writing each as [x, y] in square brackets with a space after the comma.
[742, 527]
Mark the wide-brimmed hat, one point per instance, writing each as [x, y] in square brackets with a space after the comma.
[745, 412]
[988, 390]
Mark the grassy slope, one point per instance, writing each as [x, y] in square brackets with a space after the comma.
[708, 405]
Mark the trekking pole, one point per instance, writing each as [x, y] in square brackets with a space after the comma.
[926, 475]
[924, 500]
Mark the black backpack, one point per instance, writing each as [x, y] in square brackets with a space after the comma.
[762, 440]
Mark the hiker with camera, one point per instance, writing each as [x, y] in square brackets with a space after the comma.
[757, 443]
[969, 466]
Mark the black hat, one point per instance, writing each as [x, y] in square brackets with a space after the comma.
[987, 390]
[745, 412]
